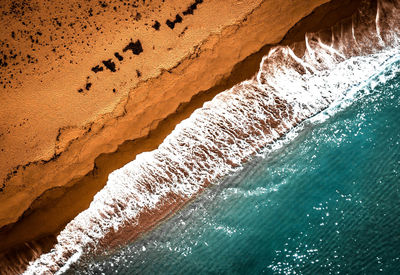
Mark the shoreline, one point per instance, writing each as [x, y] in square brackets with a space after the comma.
[59, 199]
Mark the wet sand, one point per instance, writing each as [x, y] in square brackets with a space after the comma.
[44, 218]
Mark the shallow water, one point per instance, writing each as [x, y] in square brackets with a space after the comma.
[325, 203]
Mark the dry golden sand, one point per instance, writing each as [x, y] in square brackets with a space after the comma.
[51, 133]
[76, 129]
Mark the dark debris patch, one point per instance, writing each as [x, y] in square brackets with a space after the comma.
[88, 85]
[135, 47]
[138, 73]
[178, 19]
[171, 24]
[109, 65]
[188, 11]
[192, 7]
[183, 32]
[137, 17]
[118, 56]
[103, 4]
[97, 69]
[156, 26]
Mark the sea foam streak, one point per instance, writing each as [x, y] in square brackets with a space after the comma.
[234, 126]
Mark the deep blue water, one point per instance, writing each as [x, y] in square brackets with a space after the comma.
[328, 202]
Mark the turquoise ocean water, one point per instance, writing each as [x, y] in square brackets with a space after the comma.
[327, 202]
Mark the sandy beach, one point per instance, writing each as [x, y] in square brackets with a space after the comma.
[64, 129]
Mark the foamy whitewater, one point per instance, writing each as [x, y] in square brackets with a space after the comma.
[249, 119]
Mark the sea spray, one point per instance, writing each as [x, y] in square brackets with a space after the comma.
[237, 124]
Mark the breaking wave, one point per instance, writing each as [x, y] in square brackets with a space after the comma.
[294, 84]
